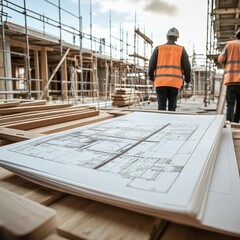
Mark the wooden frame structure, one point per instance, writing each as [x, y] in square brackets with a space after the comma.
[41, 66]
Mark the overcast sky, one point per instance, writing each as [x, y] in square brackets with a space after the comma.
[157, 16]
[152, 17]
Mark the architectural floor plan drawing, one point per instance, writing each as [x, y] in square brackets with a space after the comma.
[151, 157]
[141, 154]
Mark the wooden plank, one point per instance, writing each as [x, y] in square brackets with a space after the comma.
[24, 219]
[117, 113]
[31, 108]
[17, 135]
[9, 104]
[34, 103]
[55, 236]
[236, 142]
[177, 232]
[71, 124]
[80, 218]
[37, 114]
[52, 120]
[123, 103]
[44, 71]
[4, 142]
[30, 190]
[4, 173]
[37, 73]
[222, 99]
[42, 115]
[235, 125]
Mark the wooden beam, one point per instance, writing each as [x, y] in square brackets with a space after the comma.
[54, 72]
[64, 79]
[227, 11]
[222, 99]
[46, 116]
[80, 218]
[33, 103]
[51, 120]
[72, 124]
[44, 72]
[17, 135]
[147, 39]
[9, 104]
[23, 45]
[226, 22]
[37, 73]
[22, 218]
[39, 114]
[31, 108]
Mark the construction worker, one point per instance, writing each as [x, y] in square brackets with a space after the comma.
[169, 67]
[230, 60]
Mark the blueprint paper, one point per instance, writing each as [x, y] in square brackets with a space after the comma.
[222, 209]
[154, 162]
[221, 213]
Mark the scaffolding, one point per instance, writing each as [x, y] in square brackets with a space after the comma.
[222, 23]
[38, 65]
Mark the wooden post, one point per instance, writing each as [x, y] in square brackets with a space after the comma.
[37, 74]
[64, 79]
[54, 72]
[106, 80]
[44, 72]
[221, 99]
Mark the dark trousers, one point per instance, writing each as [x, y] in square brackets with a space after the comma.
[167, 95]
[233, 97]
[237, 110]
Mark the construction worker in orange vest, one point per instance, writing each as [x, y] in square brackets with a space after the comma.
[169, 67]
[230, 60]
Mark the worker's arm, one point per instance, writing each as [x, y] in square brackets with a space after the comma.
[153, 64]
[222, 58]
[185, 64]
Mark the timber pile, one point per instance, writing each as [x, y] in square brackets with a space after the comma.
[21, 121]
[50, 214]
[125, 97]
[77, 218]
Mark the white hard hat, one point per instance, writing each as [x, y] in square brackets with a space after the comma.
[173, 32]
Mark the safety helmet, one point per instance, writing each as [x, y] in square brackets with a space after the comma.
[173, 32]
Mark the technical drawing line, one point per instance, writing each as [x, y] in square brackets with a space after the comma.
[134, 145]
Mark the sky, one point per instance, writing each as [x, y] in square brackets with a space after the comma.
[120, 18]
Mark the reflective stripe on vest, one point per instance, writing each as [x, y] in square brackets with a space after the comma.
[232, 65]
[168, 71]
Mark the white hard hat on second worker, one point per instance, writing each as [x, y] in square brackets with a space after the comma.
[173, 32]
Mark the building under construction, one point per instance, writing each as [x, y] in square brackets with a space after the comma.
[38, 65]
[72, 169]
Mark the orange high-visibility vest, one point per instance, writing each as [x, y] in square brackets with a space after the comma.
[168, 71]
[232, 64]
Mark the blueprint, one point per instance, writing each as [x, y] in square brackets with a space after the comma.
[146, 157]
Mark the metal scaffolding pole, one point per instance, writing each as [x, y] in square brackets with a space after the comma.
[3, 46]
[207, 50]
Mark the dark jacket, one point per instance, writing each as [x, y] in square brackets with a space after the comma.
[185, 64]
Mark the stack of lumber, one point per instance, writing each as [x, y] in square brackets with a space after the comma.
[125, 97]
[31, 211]
[21, 121]
[35, 212]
